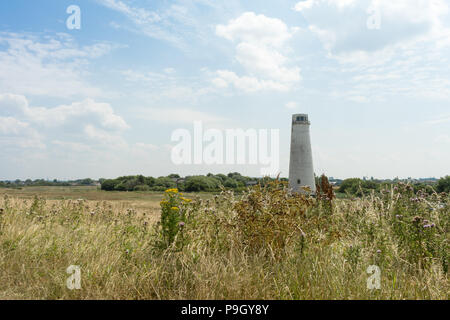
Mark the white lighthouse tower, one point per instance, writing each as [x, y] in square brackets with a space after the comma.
[301, 171]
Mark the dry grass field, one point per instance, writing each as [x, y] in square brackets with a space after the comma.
[264, 244]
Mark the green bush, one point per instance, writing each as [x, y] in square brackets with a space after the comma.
[358, 187]
[108, 185]
[201, 183]
[443, 185]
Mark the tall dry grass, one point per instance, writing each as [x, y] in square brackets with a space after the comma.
[264, 244]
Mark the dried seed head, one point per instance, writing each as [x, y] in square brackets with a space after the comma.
[417, 219]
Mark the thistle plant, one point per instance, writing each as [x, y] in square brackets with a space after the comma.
[270, 217]
[418, 235]
[2, 212]
[37, 206]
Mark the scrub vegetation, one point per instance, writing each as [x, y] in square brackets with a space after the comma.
[263, 243]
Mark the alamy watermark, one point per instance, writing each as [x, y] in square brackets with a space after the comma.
[229, 146]
[74, 281]
[74, 20]
[374, 20]
[374, 281]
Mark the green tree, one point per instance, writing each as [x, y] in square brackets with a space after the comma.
[164, 183]
[109, 184]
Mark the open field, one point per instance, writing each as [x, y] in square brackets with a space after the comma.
[264, 244]
[86, 193]
[136, 200]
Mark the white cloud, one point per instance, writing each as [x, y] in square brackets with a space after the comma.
[178, 115]
[358, 99]
[407, 56]
[105, 138]
[12, 104]
[11, 126]
[441, 119]
[246, 83]
[87, 110]
[252, 28]
[139, 77]
[443, 138]
[305, 4]
[47, 66]
[342, 25]
[292, 105]
[88, 122]
[92, 111]
[146, 146]
[173, 23]
[72, 146]
[168, 87]
[267, 63]
[260, 45]
[139, 15]
[15, 133]
[169, 70]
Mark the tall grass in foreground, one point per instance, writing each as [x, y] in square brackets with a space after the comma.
[264, 244]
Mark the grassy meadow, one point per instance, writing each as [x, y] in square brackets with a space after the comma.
[262, 244]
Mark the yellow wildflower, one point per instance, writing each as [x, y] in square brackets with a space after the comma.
[172, 190]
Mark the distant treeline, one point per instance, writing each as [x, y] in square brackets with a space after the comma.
[46, 183]
[358, 187]
[232, 181]
[209, 183]
[236, 181]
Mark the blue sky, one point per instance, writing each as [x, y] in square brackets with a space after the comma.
[104, 100]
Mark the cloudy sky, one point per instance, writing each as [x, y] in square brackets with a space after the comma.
[104, 100]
